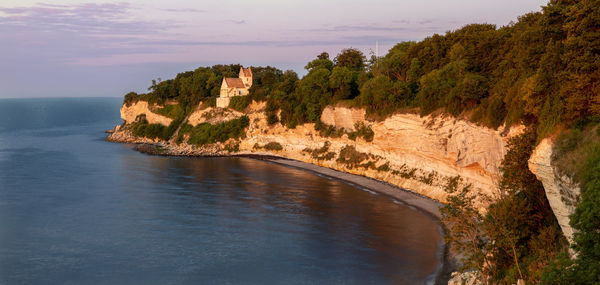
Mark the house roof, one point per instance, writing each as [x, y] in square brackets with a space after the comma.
[247, 72]
[234, 82]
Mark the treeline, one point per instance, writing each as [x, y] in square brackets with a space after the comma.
[541, 70]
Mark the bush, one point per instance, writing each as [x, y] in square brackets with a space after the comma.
[272, 119]
[206, 133]
[573, 148]
[172, 111]
[130, 98]
[141, 128]
[273, 146]
[321, 153]
[350, 156]
[239, 103]
[362, 130]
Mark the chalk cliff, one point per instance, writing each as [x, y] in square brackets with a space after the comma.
[563, 194]
[420, 154]
[129, 113]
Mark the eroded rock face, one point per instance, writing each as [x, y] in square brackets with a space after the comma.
[212, 116]
[129, 113]
[562, 193]
[342, 117]
[443, 144]
[437, 148]
[417, 153]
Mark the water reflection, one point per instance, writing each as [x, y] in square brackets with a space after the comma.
[77, 210]
[313, 219]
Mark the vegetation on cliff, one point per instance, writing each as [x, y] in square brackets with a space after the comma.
[206, 133]
[142, 128]
[578, 155]
[518, 235]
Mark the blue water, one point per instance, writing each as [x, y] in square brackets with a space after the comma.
[75, 209]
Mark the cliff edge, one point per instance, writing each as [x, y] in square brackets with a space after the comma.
[563, 194]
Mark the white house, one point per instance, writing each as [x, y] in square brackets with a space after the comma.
[235, 87]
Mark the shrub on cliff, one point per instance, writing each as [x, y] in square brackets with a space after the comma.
[582, 152]
[273, 146]
[130, 98]
[239, 103]
[171, 111]
[206, 133]
[141, 128]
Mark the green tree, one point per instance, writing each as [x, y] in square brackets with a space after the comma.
[351, 58]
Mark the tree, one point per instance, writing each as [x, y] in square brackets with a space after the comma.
[351, 58]
[343, 83]
[322, 61]
[378, 96]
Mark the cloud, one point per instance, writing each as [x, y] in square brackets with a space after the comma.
[187, 10]
[88, 18]
[355, 28]
[110, 33]
[422, 27]
[62, 33]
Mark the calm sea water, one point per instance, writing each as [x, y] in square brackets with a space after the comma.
[77, 210]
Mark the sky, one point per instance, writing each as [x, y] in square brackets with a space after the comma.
[107, 48]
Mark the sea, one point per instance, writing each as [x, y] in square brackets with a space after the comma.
[75, 209]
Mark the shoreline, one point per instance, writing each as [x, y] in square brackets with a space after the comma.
[419, 203]
[423, 204]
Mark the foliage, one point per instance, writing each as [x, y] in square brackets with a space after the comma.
[321, 153]
[519, 234]
[350, 58]
[171, 111]
[142, 128]
[350, 156]
[239, 103]
[573, 148]
[130, 98]
[275, 146]
[584, 146]
[465, 223]
[206, 133]
[362, 130]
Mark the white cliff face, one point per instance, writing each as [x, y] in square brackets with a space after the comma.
[446, 145]
[417, 153]
[342, 117]
[562, 193]
[129, 113]
[436, 148]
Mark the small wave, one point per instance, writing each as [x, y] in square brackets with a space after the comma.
[367, 190]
